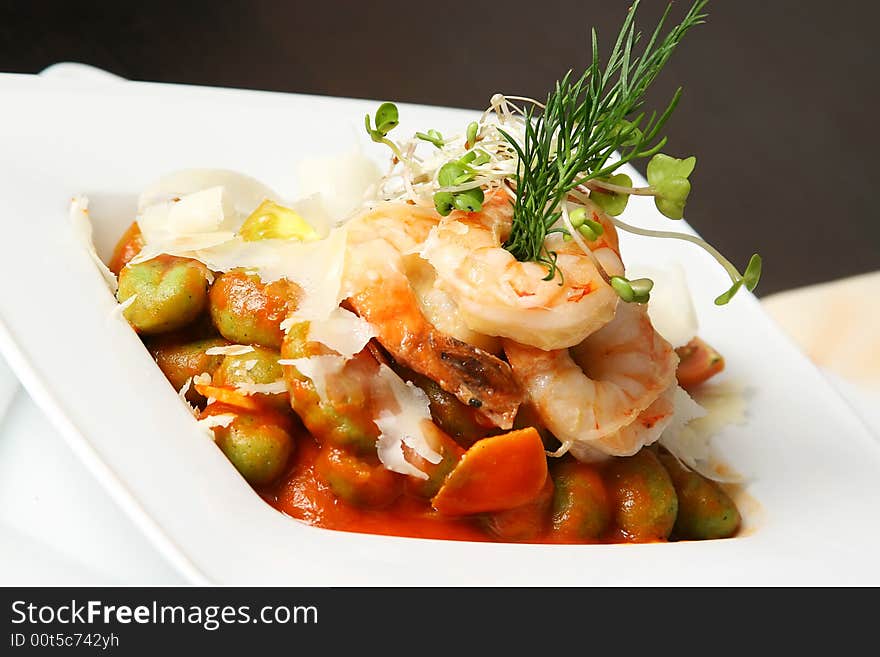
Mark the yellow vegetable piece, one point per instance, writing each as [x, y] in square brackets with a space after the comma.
[272, 221]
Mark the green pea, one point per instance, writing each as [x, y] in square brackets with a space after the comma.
[358, 480]
[523, 523]
[581, 508]
[259, 366]
[642, 496]
[182, 361]
[704, 510]
[257, 445]
[247, 311]
[171, 293]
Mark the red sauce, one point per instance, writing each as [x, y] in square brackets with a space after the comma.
[300, 494]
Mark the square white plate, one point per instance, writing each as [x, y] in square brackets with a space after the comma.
[812, 465]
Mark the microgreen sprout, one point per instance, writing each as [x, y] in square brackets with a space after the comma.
[470, 200]
[612, 202]
[481, 157]
[444, 202]
[472, 130]
[591, 230]
[635, 291]
[750, 279]
[431, 136]
[668, 177]
[577, 217]
[455, 174]
[386, 119]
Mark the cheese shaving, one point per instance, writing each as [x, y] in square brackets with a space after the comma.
[185, 246]
[184, 389]
[82, 229]
[403, 426]
[390, 451]
[273, 388]
[203, 379]
[671, 307]
[689, 436]
[220, 420]
[342, 331]
[244, 193]
[230, 350]
[205, 211]
[317, 368]
[120, 308]
[340, 183]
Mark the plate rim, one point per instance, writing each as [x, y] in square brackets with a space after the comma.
[76, 438]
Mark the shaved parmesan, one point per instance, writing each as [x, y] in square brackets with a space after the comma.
[184, 389]
[689, 436]
[318, 369]
[341, 182]
[390, 452]
[201, 212]
[671, 307]
[186, 246]
[314, 210]
[249, 364]
[220, 420]
[244, 193]
[230, 350]
[403, 426]
[120, 308]
[274, 388]
[343, 331]
[82, 229]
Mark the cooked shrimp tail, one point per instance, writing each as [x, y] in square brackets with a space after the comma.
[610, 395]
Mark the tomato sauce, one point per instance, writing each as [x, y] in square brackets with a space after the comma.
[302, 495]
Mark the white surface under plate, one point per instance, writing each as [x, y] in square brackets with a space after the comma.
[812, 465]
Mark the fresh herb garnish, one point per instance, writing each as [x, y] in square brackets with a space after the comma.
[583, 123]
[431, 136]
[558, 160]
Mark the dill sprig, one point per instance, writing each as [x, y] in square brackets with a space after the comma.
[584, 122]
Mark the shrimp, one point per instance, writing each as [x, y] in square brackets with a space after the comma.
[608, 396]
[498, 295]
[378, 290]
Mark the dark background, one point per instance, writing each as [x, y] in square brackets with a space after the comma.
[779, 104]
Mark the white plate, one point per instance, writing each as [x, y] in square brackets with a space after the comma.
[813, 467]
